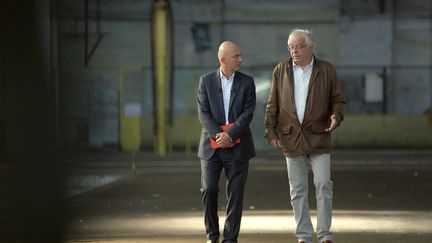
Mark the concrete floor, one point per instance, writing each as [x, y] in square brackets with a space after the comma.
[379, 196]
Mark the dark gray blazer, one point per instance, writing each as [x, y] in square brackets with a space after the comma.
[211, 113]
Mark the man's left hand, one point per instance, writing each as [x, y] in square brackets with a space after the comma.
[333, 123]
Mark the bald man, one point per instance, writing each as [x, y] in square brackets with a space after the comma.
[226, 102]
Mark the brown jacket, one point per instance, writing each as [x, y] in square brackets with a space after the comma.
[324, 99]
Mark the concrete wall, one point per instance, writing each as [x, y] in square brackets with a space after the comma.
[368, 37]
[397, 36]
[412, 86]
[126, 45]
[90, 95]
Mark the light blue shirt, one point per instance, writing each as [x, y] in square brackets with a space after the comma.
[226, 84]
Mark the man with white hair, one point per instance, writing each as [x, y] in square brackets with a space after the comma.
[305, 105]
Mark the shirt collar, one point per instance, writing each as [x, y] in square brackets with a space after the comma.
[309, 65]
[223, 76]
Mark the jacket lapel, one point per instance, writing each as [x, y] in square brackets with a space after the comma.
[290, 85]
[315, 71]
[219, 93]
[234, 90]
[314, 74]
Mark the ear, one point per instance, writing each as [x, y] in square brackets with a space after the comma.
[222, 60]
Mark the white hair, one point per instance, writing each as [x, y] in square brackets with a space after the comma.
[306, 33]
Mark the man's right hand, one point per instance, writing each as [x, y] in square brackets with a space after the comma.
[224, 140]
[275, 143]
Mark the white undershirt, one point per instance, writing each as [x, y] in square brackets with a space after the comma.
[226, 84]
[301, 86]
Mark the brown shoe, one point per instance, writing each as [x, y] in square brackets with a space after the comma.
[301, 241]
[327, 241]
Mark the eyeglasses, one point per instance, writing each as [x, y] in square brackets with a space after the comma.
[292, 48]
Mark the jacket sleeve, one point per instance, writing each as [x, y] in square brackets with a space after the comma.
[204, 110]
[337, 98]
[272, 108]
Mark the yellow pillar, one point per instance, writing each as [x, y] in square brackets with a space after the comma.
[160, 49]
[130, 116]
[130, 120]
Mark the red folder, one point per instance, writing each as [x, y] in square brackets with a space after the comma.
[224, 128]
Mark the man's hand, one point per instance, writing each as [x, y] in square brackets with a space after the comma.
[275, 143]
[224, 140]
[333, 123]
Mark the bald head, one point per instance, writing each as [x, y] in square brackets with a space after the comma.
[229, 57]
[226, 48]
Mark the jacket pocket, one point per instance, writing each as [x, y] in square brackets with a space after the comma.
[319, 139]
[319, 126]
[285, 130]
[288, 139]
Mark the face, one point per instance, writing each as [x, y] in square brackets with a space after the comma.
[232, 58]
[300, 52]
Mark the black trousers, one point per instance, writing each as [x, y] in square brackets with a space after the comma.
[236, 175]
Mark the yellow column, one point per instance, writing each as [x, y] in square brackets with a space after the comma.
[130, 128]
[160, 48]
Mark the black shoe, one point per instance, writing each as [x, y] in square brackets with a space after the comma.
[212, 241]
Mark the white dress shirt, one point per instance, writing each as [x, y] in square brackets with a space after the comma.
[301, 87]
[226, 84]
